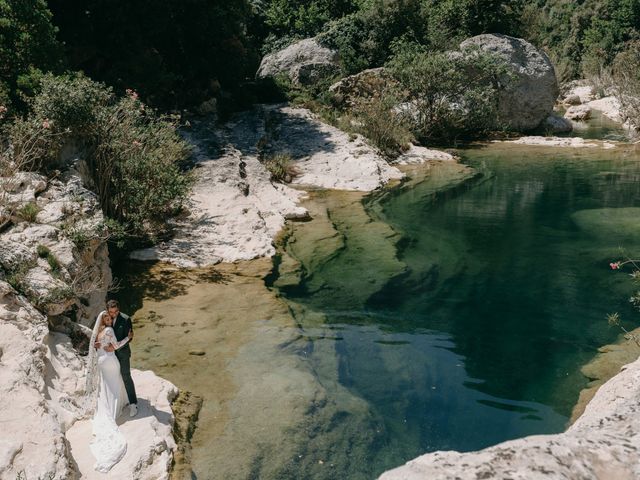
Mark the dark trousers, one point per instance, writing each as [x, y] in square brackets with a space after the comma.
[125, 371]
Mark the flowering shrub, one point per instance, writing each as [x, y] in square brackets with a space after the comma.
[134, 155]
[614, 318]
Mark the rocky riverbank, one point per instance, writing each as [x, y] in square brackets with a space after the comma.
[54, 277]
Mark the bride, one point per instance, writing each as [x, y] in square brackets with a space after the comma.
[108, 445]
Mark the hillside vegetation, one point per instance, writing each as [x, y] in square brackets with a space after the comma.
[99, 75]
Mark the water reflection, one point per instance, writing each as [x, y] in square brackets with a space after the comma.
[496, 298]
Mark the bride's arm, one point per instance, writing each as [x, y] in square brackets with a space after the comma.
[116, 345]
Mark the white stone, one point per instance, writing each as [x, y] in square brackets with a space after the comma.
[579, 113]
[609, 106]
[529, 98]
[227, 225]
[573, 142]
[417, 154]
[150, 443]
[304, 62]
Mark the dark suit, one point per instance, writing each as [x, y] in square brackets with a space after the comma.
[121, 326]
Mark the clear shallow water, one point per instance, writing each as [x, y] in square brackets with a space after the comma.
[474, 333]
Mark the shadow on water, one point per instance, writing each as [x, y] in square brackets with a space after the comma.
[136, 281]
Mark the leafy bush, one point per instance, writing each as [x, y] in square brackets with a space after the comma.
[134, 155]
[582, 38]
[281, 167]
[449, 95]
[626, 77]
[302, 17]
[29, 212]
[379, 119]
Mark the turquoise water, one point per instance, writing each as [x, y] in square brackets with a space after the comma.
[496, 295]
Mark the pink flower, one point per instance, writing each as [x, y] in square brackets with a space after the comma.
[46, 123]
[132, 93]
[136, 144]
[614, 265]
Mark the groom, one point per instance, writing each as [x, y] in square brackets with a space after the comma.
[122, 326]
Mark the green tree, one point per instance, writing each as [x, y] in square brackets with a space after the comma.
[173, 53]
[28, 46]
[449, 95]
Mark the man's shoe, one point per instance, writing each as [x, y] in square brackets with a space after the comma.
[133, 410]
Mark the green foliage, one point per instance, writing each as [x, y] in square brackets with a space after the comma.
[28, 212]
[16, 277]
[44, 252]
[364, 38]
[626, 77]
[582, 38]
[378, 119]
[449, 95]
[281, 167]
[302, 17]
[173, 53]
[27, 45]
[134, 155]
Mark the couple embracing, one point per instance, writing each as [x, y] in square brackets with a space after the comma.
[109, 384]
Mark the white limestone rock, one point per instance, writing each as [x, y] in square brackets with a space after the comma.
[149, 437]
[572, 142]
[417, 155]
[578, 113]
[21, 188]
[236, 210]
[304, 62]
[527, 100]
[32, 439]
[609, 106]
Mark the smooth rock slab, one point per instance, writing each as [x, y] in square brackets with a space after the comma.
[149, 436]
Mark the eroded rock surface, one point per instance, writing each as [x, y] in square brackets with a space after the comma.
[236, 209]
[53, 248]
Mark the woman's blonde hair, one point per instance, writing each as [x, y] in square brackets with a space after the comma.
[102, 325]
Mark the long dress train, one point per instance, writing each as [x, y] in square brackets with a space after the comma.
[108, 445]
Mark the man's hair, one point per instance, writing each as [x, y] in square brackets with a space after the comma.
[113, 304]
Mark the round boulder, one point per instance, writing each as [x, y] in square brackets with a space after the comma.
[528, 99]
[304, 62]
[366, 84]
[555, 124]
[578, 113]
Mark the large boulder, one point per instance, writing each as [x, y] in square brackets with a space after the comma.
[528, 99]
[366, 84]
[304, 62]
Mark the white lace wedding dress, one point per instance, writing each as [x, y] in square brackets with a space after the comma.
[108, 445]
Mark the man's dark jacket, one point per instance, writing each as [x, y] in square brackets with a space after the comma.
[121, 327]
